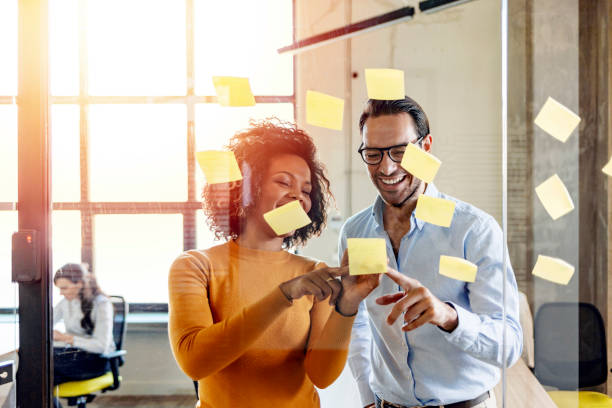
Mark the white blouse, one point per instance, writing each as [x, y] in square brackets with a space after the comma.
[101, 340]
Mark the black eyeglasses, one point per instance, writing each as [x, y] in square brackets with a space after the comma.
[374, 155]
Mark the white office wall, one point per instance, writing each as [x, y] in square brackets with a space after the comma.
[452, 65]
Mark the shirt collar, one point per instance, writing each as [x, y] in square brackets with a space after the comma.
[379, 205]
[377, 212]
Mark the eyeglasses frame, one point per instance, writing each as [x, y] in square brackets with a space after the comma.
[382, 150]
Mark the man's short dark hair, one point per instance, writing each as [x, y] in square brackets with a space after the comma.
[375, 108]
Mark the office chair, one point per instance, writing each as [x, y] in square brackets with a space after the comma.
[561, 349]
[79, 393]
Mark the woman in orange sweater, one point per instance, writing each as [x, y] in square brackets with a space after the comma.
[254, 324]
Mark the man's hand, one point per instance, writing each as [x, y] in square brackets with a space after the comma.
[417, 304]
[355, 288]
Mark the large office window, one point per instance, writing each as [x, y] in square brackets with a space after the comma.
[131, 102]
[8, 147]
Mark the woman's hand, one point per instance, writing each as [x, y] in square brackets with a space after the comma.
[58, 335]
[355, 288]
[320, 283]
[66, 338]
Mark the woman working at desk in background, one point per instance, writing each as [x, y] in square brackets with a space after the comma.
[87, 315]
[254, 323]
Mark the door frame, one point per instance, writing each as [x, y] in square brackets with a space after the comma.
[34, 375]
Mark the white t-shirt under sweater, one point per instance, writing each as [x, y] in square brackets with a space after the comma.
[101, 340]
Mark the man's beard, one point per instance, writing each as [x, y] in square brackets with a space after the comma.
[401, 204]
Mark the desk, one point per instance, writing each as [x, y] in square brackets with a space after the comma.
[9, 336]
[523, 389]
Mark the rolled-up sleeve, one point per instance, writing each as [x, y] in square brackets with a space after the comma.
[480, 326]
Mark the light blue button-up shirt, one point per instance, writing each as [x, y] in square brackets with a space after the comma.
[428, 366]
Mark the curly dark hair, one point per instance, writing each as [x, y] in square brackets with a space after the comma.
[226, 204]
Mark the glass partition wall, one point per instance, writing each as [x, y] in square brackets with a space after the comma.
[8, 196]
[559, 53]
[131, 106]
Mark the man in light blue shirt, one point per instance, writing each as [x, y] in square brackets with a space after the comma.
[420, 338]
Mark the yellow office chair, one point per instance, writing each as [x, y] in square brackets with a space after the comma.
[580, 399]
[562, 351]
[79, 393]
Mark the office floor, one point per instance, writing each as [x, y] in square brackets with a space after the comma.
[144, 401]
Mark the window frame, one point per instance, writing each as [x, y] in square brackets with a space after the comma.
[89, 209]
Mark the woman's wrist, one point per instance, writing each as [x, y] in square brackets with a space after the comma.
[283, 289]
[346, 307]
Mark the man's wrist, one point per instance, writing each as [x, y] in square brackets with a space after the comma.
[452, 319]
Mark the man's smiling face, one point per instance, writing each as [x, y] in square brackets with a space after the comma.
[394, 184]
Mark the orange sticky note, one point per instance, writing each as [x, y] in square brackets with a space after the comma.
[233, 91]
[554, 197]
[553, 269]
[457, 268]
[385, 84]
[367, 255]
[420, 164]
[434, 210]
[607, 169]
[557, 120]
[219, 166]
[324, 110]
[287, 218]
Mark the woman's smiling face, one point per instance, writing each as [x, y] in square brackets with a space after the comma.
[287, 179]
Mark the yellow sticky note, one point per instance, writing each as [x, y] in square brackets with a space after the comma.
[420, 164]
[324, 110]
[385, 84]
[219, 166]
[233, 91]
[554, 197]
[608, 168]
[287, 218]
[367, 255]
[553, 269]
[557, 120]
[457, 268]
[434, 210]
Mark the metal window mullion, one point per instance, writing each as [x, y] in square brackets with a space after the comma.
[348, 115]
[94, 208]
[145, 100]
[504, 94]
[189, 215]
[294, 59]
[87, 223]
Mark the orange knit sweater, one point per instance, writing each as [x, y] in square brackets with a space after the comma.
[232, 329]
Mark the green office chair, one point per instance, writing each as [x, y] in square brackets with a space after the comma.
[556, 343]
[79, 393]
